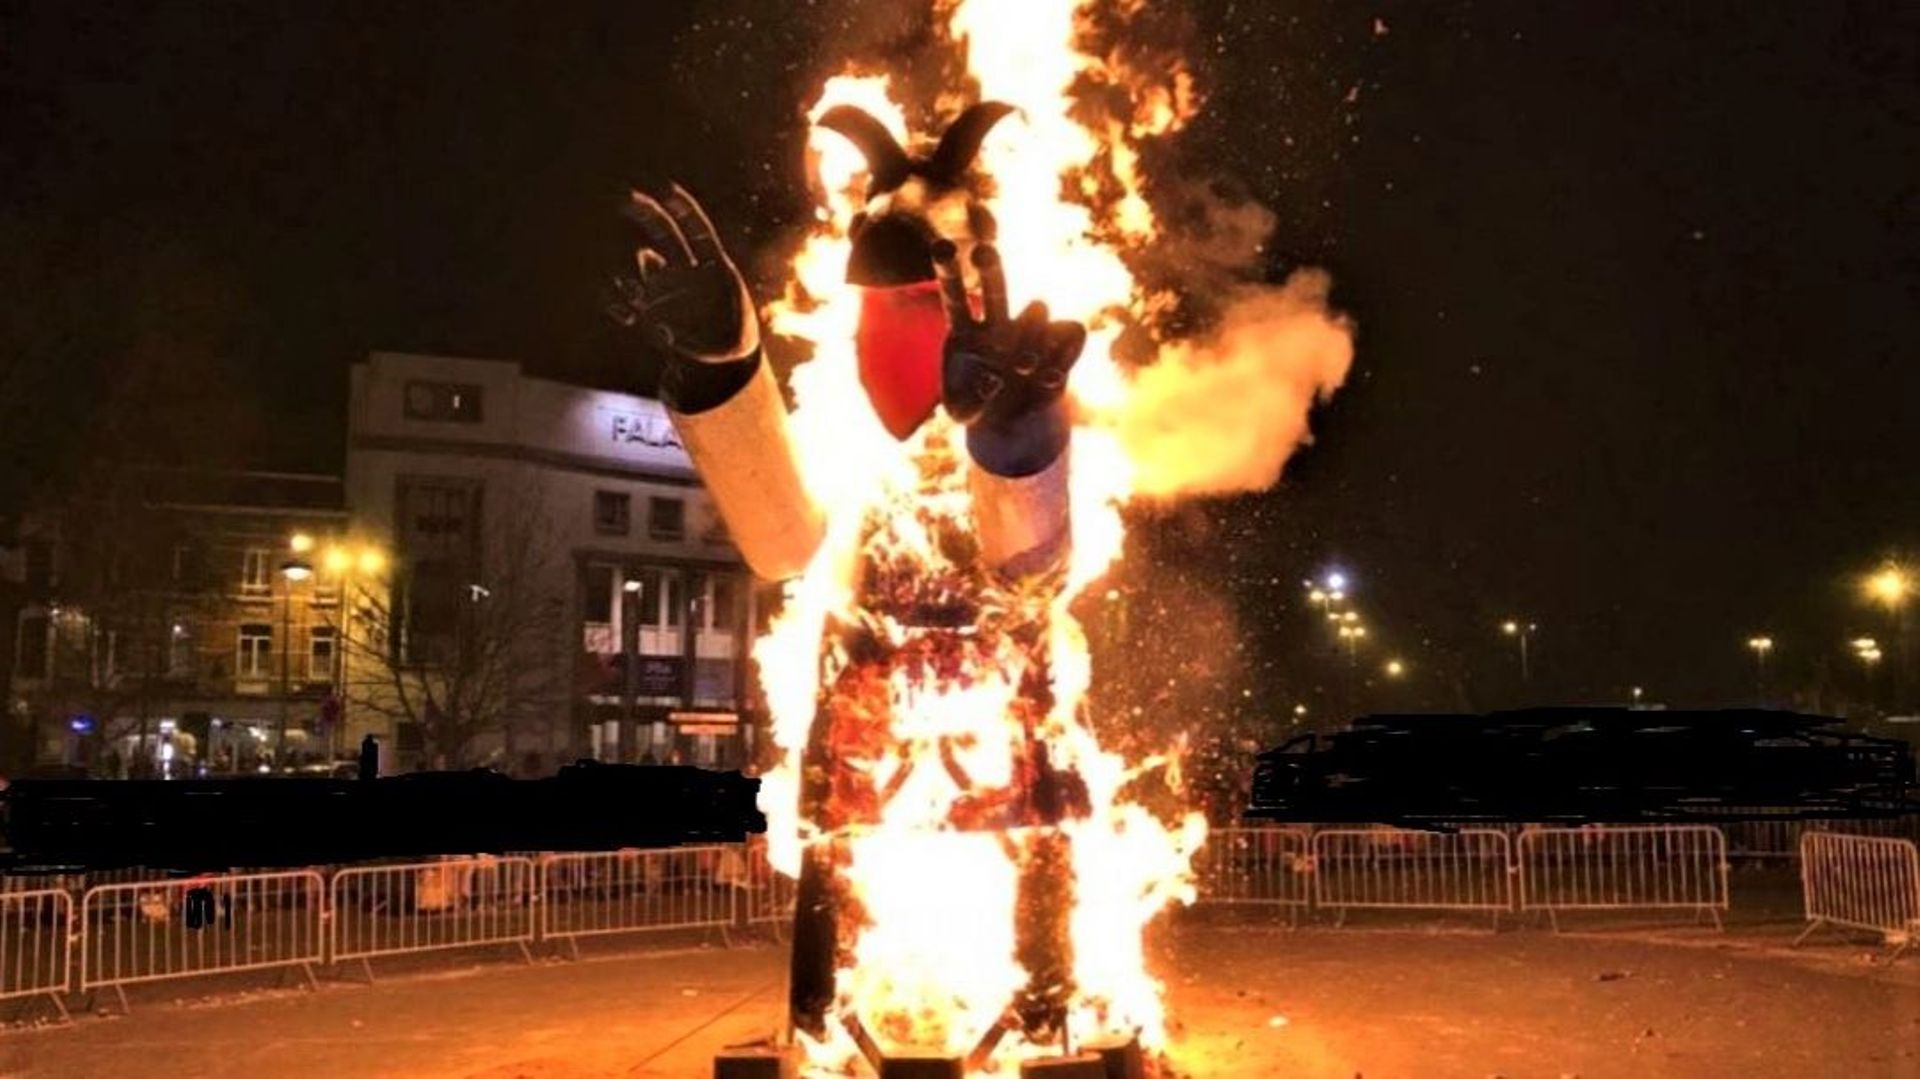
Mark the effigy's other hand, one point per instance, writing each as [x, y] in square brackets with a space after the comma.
[998, 368]
[681, 291]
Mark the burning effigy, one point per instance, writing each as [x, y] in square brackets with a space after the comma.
[976, 859]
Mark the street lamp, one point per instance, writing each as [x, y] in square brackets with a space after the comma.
[1395, 668]
[1867, 651]
[294, 570]
[1352, 634]
[1891, 587]
[1761, 645]
[628, 729]
[347, 566]
[1520, 631]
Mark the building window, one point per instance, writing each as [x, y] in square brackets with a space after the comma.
[612, 513]
[443, 402]
[180, 651]
[256, 651]
[254, 570]
[439, 517]
[320, 654]
[720, 603]
[666, 518]
[599, 605]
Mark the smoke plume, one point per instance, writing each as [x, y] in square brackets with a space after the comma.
[1222, 413]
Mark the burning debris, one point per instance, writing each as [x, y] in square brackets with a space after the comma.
[976, 866]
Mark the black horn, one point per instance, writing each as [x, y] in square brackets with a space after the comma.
[961, 142]
[886, 161]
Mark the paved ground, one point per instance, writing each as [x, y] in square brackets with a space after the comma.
[1254, 1000]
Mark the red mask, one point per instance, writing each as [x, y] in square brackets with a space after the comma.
[902, 332]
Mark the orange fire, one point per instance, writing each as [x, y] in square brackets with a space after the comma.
[933, 965]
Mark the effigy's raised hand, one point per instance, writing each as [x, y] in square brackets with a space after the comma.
[999, 369]
[681, 291]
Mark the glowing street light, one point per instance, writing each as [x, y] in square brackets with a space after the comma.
[1761, 646]
[299, 543]
[344, 563]
[1893, 587]
[1889, 587]
[1515, 628]
[1395, 668]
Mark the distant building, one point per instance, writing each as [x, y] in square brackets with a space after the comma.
[563, 525]
[156, 623]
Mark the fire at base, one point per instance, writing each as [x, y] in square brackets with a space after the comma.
[976, 867]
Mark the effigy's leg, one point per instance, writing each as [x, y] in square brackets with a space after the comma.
[1043, 943]
[816, 912]
[815, 943]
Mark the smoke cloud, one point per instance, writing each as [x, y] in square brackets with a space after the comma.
[1222, 413]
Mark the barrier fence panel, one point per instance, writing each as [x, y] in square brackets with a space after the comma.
[1256, 867]
[1406, 869]
[770, 894]
[1759, 836]
[1624, 867]
[36, 944]
[631, 891]
[191, 926]
[382, 910]
[1861, 882]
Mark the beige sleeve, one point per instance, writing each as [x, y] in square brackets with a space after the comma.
[745, 456]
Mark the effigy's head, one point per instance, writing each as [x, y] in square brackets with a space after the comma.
[913, 201]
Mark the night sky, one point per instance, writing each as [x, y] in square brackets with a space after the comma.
[1635, 284]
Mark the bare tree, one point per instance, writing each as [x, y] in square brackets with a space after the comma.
[120, 603]
[466, 652]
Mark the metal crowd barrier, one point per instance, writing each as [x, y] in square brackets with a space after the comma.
[1407, 869]
[155, 930]
[1624, 867]
[629, 891]
[1870, 883]
[770, 896]
[36, 945]
[385, 910]
[1269, 867]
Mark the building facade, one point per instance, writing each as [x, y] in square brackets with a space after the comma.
[554, 524]
[164, 625]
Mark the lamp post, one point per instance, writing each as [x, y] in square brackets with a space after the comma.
[1867, 651]
[293, 570]
[629, 725]
[1891, 586]
[1519, 630]
[1351, 634]
[350, 567]
[1762, 646]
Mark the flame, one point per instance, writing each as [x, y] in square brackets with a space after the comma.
[934, 962]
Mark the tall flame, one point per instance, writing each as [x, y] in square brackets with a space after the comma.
[934, 963]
